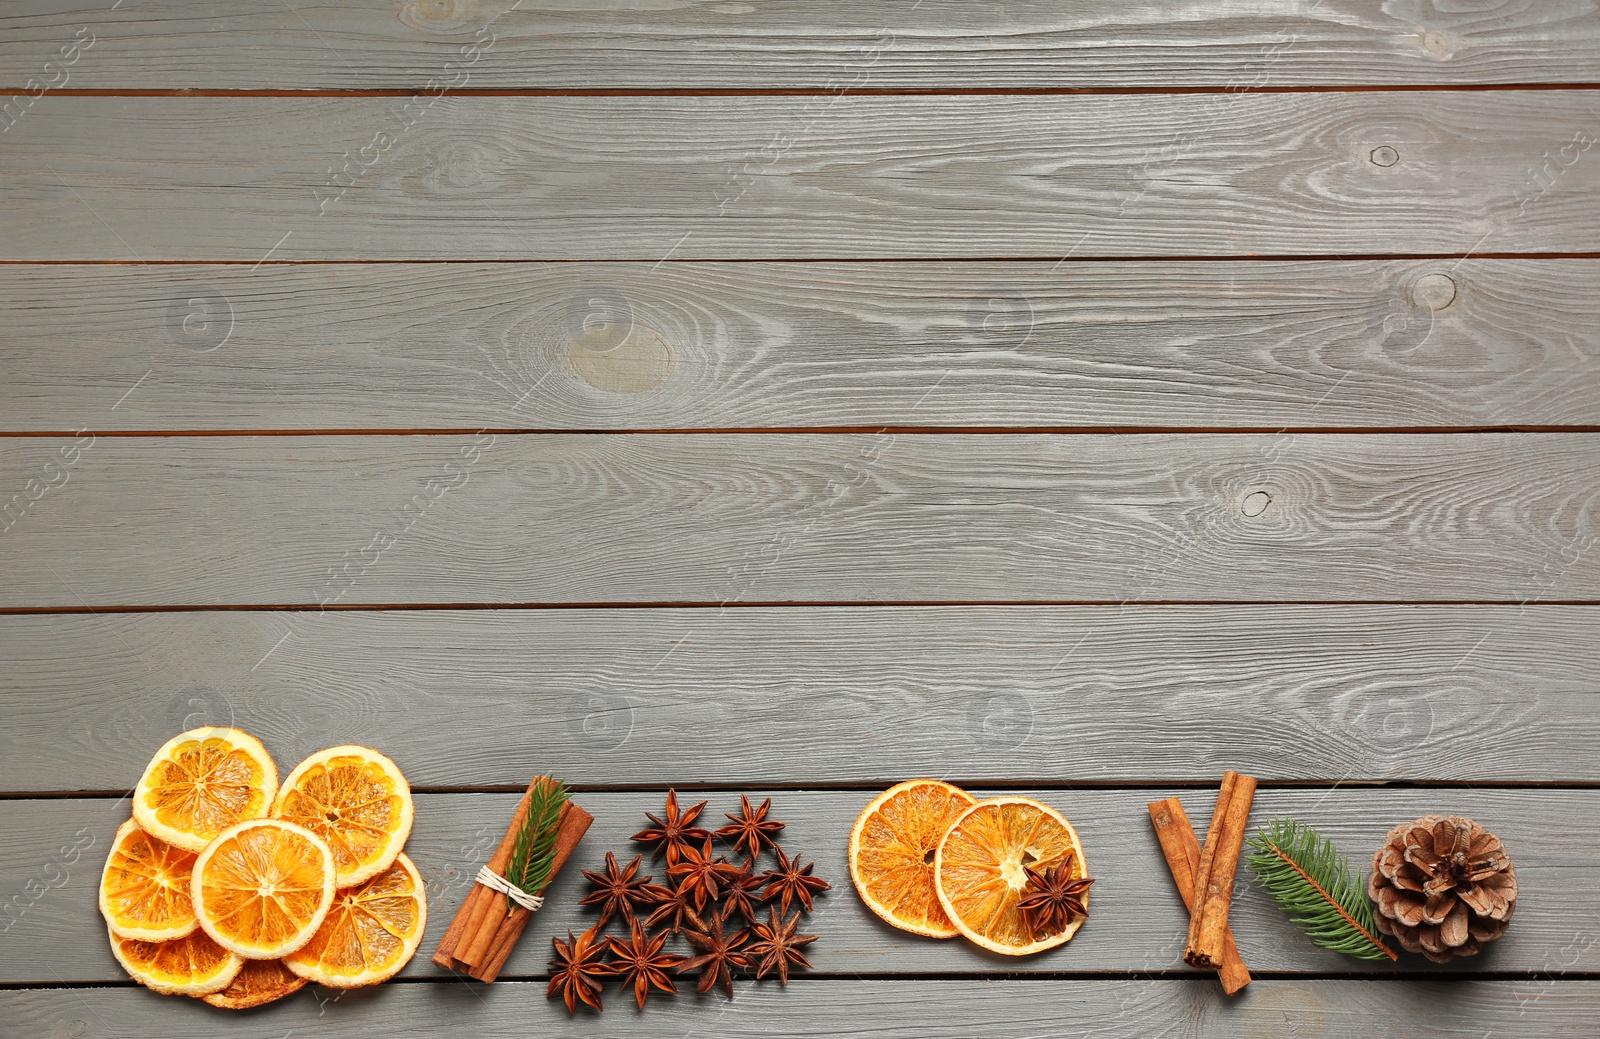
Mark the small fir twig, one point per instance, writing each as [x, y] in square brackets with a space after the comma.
[1314, 884]
[533, 855]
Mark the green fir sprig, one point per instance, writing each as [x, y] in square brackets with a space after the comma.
[533, 854]
[1315, 885]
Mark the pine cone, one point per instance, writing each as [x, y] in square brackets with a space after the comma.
[1443, 885]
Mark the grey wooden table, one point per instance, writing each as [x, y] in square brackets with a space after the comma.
[798, 397]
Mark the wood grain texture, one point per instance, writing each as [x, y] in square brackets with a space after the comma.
[744, 178]
[1098, 265]
[1114, 1009]
[358, 44]
[990, 694]
[580, 519]
[1136, 922]
[709, 345]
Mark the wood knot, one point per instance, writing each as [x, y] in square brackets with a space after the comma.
[1383, 155]
[1255, 503]
[1433, 292]
[1435, 44]
[424, 13]
[620, 358]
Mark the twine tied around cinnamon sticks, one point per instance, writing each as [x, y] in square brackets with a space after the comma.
[495, 882]
[1204, 875]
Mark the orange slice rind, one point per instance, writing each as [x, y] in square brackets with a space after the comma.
[355, 799]
[200, 783]
[370, 932]
[190, 966]
[263, 887]
[979, 877]
[144, 888]
[891, 846]
[259, 982]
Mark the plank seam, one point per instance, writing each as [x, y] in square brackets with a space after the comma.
[818, 91]
[734, 260]
[532, 431]
[745, 604]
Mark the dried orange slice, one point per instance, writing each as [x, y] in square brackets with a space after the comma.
[891, 853]
[260, 982]
[371, 932]
[978, 870]
[200, 783]
[355, 799]
[263, 887]
[190, 966]
[144, 888]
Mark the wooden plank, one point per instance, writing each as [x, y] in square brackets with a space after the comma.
[708, 345]
[991, 694]
[481, 178]
[624, 44]
[749, 518]
[1137, 922]
[1114, 1009]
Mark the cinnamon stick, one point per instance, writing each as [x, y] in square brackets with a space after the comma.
[1182, 850]
[444, 955]
[493, 911]
[1219, 860]
[478, 917]
[486, 927]
[487, 963]
[472, 906]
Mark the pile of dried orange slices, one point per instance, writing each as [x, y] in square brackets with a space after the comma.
[229, 886]
[932, 859]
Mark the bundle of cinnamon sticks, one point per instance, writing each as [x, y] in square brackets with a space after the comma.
[1204, 875]
[488, 924]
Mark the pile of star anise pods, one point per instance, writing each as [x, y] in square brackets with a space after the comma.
[732, 918]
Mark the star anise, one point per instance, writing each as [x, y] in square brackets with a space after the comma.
[790, 882]
[1052, 898]
[719, 954]
[741, 892]
[578, 969]
[672, 834]
[776, 946]
[751, 830]
[699, 876]
[619, 890]
[640, 962]
[677, 913]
